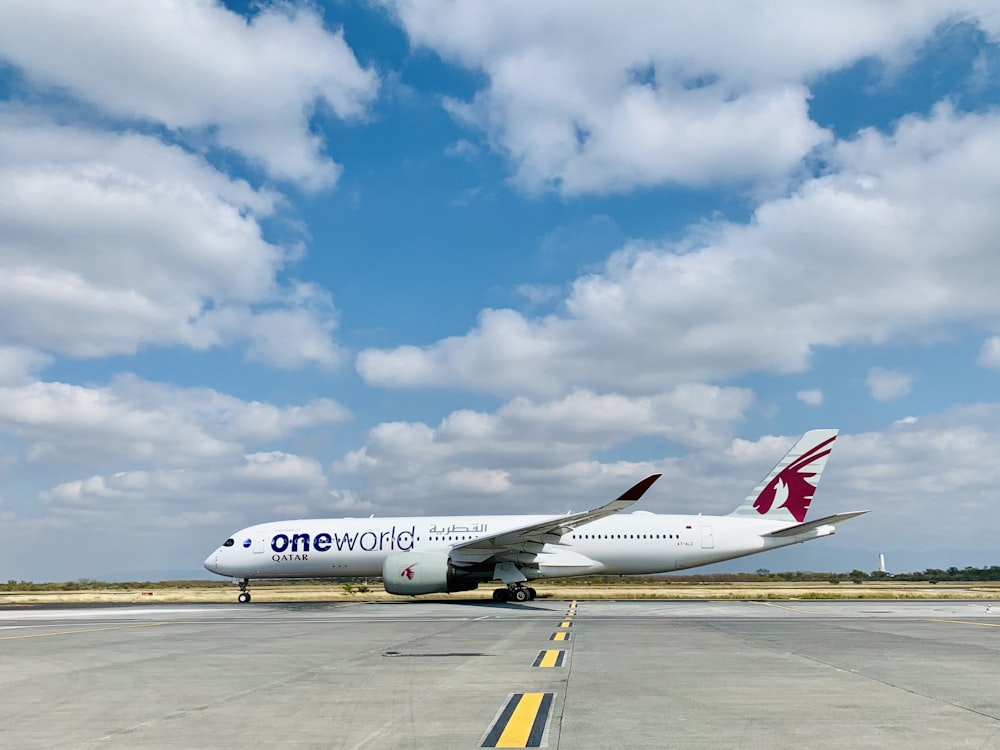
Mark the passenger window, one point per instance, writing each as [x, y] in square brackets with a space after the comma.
[229, 543]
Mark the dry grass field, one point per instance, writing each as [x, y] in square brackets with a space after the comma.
[337, 592]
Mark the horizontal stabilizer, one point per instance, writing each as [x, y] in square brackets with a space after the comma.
[802, 528]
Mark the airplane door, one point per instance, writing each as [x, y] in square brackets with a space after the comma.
[258, 545]
[707, 540]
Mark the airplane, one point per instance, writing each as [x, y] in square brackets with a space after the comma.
[445, 554]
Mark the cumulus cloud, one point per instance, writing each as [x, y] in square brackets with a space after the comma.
[813, 396]
[926, 481]
[250, 487]
[932, 478]
[989, 353]
[199, 69]
[673, 95]
[109, 242]
[896, 238]
[529, 442]
[885, 385]
[146, 423]
[19, 365]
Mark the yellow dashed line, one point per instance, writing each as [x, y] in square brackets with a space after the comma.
[552, 658]
[517, 732]
[565, 624]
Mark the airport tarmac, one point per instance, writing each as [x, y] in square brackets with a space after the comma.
[550, 673]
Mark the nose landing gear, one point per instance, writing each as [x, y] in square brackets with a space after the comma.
[244, 596]
[514, 592]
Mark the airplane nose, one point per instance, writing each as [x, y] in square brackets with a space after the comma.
[212, 563]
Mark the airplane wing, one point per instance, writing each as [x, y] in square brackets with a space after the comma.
[802, 528]
[531, 539]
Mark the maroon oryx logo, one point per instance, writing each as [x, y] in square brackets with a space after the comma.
[407, 572]
[791, 487]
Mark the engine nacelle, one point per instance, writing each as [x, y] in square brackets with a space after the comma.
[410, 573]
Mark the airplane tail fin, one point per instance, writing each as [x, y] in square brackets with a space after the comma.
[786, 492]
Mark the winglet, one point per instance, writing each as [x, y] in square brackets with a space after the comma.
[636, 491]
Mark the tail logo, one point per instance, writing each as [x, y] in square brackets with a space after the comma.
[408, 572]
[792, 488]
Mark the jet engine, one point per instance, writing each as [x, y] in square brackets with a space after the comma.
[411, 573]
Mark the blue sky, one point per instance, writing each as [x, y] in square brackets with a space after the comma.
[263, 260]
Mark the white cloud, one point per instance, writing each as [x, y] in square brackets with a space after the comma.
[886, 385]
[146, 424]
[989, 354]
[462, 149]
[109, 242]
[526, 443]
[19, 365]
[900, 473]
[200, 69]
[813, 397]
[539, 294]
[478, 481]
[245, 486]
[897, 238]
[591, 97]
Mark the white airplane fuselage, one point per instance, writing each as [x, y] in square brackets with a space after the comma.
[623, 544]
[426, 555]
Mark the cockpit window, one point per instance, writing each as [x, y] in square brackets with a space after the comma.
[229, 543]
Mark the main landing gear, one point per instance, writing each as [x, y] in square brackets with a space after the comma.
[515, 593]
[244, 596]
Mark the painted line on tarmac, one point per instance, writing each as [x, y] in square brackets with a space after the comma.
[969, 622]
[86, 630]
[522, 722]
[781, 606]
[559, 636]
[566, 624]
[550, 658]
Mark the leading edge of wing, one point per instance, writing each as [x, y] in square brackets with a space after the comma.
[551, 531]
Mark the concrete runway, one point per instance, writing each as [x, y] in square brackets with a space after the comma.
[431, 674]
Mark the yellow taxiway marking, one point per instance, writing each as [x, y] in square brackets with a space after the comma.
[968, 622]
[86, 630]
[559, 637]
[522, 721]
[550, 658]
[565, 624]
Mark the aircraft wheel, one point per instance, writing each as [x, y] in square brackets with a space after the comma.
[244, 598]
[501, 595]
[532, 593]
[521, 595]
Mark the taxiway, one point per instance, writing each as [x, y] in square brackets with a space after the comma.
[555, 673]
